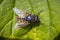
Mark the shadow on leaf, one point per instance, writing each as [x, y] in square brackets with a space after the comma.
[3, 38]
[58, 37]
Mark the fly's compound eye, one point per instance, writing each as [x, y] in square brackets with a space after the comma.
[30, 18]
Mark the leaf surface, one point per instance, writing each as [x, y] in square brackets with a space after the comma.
[47, 10]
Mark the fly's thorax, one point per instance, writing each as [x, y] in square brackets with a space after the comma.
[30, 18]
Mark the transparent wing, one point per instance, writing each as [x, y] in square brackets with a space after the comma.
[19, 25]
[19, 12]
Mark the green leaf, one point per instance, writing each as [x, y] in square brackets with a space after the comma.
[47, 10]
